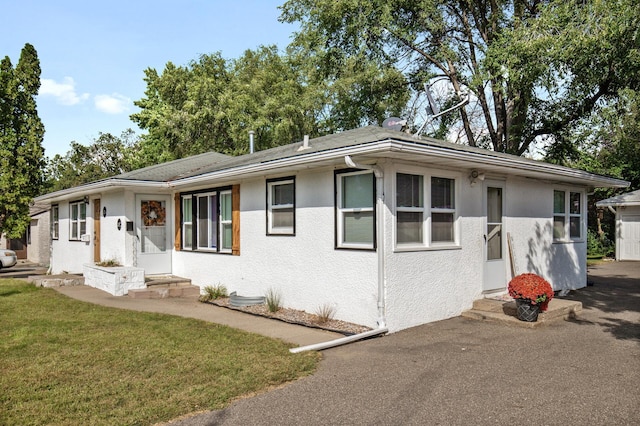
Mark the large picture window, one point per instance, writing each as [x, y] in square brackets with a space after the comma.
[207, 221]
[423, 224]
[355, 213]
[281, 196]
[567, 215]
[78, 220]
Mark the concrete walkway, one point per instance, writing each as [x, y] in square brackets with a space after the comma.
[191, 308]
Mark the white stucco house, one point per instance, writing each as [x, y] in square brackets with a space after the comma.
[383, 226]
[626, 207]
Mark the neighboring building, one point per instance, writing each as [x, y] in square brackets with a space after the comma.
[35, 243]
[626, 207]
[39, 235]
[383, 226]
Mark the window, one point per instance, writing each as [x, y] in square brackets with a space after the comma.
[55, 222]
[78, 222]
[409, 209]
[420, 224]
[281, 206]
[207, 221]
[567, 215]
[187, 224]
[355, 215]
[442, 210]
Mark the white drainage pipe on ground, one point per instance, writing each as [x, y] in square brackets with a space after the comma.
[340, 341]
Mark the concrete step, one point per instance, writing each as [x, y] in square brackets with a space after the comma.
[56, 280]
[161, 291]
[505, 312]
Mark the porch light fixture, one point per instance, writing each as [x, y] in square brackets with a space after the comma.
[475, 176]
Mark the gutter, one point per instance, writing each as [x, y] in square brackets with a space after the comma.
[382, 326]
[90, 188]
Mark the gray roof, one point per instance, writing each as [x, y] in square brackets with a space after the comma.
[366, 143]
[628, 199]
[176, 169]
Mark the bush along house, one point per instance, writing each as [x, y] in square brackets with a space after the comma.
[389, 229]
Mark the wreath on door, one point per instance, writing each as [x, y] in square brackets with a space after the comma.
[153, 213]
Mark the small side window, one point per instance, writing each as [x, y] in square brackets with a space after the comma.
[281, 207]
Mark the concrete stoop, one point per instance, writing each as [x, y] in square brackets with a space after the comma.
[505, 312]
[163, 287]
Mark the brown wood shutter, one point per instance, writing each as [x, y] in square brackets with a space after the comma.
[177, 242]
[235, 220]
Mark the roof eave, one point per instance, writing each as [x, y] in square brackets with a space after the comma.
[93, 187]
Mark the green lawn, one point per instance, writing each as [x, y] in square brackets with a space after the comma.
[67, 362]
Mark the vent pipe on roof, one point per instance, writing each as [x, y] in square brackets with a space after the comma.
[251, 133]
[305, 143]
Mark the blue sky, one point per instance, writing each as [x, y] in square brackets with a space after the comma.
[93, 53]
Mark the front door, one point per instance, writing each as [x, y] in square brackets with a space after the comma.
[154, 233]
[495, 274]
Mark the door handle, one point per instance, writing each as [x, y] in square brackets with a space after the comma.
[485, 238]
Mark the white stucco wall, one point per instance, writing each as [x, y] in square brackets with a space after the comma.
[530, 223]
[69, 256]
[112, 244]
[305, 268]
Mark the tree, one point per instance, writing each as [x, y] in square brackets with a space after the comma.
[21, 134]
[107, 156]
[213, 103]
[533, 68]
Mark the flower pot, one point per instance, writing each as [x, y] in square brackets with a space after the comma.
[525, 311]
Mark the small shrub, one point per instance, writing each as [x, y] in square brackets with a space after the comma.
[274, 300]
[325, 313]
[599, 246]
[213, 292]
[108, 263]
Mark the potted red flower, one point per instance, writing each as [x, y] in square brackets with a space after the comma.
[532, 294]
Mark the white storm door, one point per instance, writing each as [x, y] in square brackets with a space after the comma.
[153, 214]
[630, 237]
[495, 272]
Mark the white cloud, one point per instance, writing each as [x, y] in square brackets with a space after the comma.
[65, 92]
[112, 104]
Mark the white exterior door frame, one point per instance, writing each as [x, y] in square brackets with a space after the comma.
[494, 237]
[153, 233]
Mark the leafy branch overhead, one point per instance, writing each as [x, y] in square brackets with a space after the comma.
[534, 68]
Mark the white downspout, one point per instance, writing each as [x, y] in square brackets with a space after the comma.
[382, 324]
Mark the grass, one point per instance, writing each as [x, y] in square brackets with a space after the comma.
[273, 300]
[67, 362]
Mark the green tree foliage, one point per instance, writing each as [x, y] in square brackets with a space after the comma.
[533, 67]
[607, 143]
[212, 104]
[21, 134]
[107, 156]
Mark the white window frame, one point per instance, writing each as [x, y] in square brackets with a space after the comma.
[427, 242]
[415, 209]
[567, 215]
[271, 207]
[225, 223]
[55, 222]
[78, 223]
[341, 212]
[187, 220]
[222, 223]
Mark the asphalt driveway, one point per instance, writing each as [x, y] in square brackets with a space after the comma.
[461, 371]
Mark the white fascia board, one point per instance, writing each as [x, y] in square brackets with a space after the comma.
[92, 188]
[475, 159]
[512, 163]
